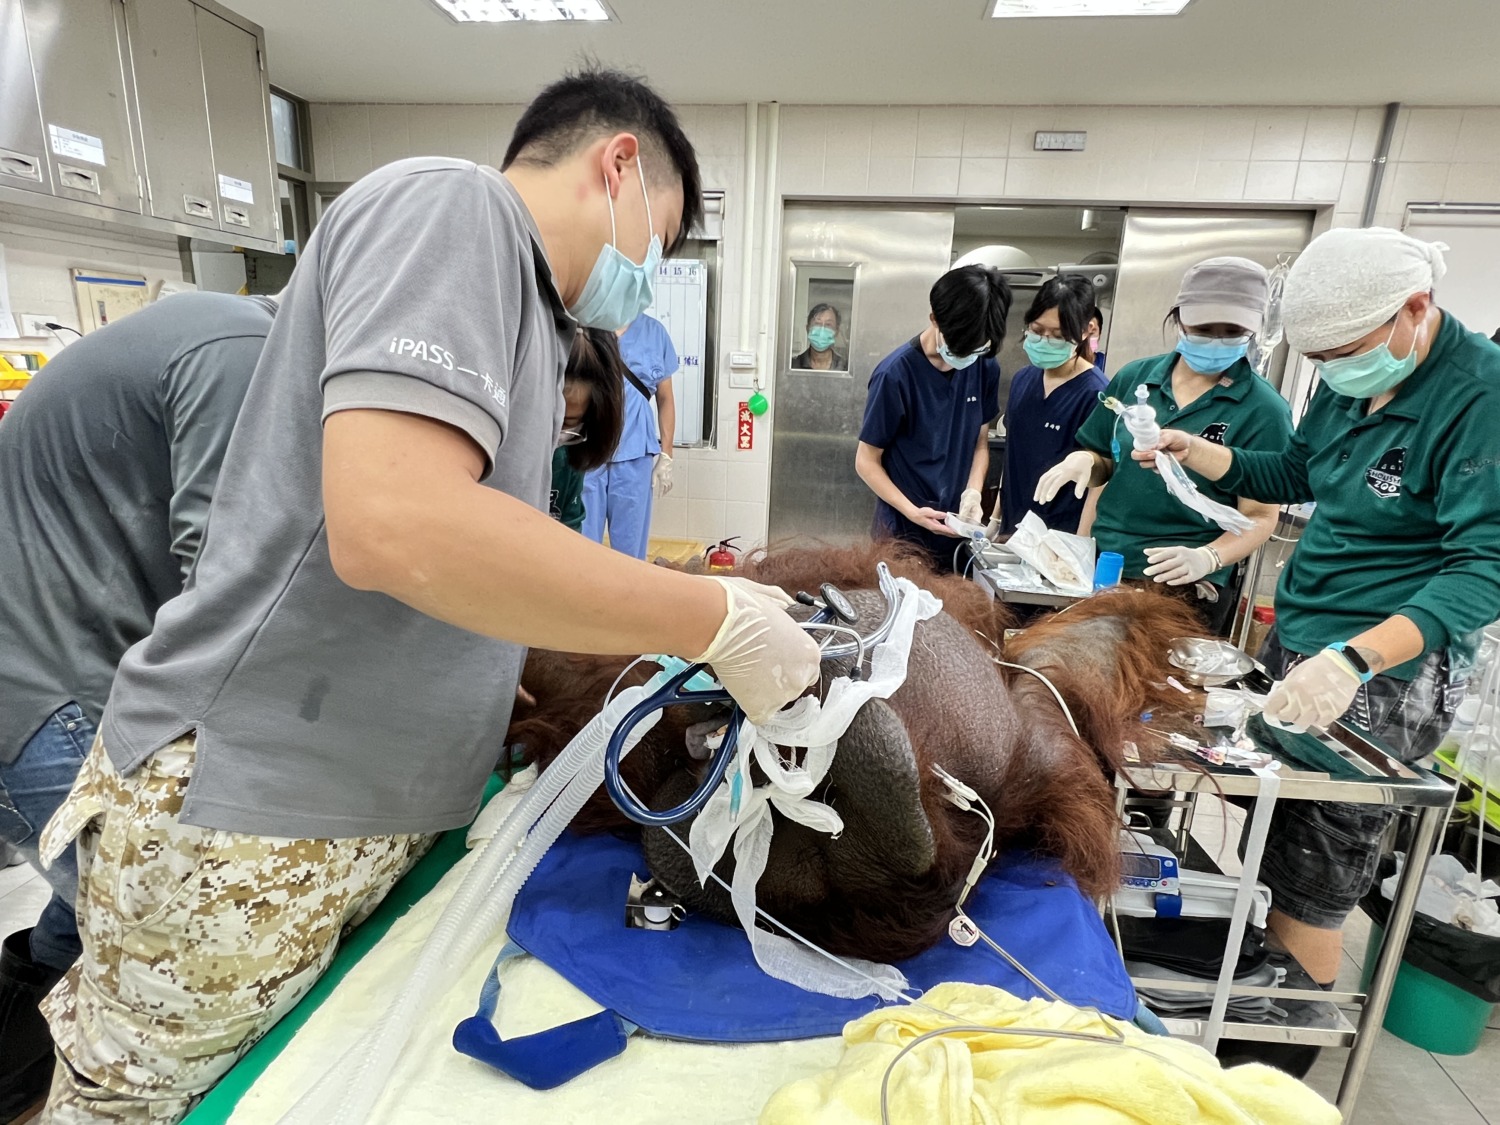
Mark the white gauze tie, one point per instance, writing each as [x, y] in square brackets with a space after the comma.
[816, 728]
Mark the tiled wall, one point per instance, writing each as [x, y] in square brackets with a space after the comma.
[40, 252]
[1315, 157]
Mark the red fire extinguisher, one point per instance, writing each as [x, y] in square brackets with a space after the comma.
[722, 557]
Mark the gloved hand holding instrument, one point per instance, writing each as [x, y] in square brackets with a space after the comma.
[971, 506]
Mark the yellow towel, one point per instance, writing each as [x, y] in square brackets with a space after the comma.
[990, 1079]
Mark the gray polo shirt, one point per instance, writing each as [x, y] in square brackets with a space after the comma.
[321, 710]
[107, 464]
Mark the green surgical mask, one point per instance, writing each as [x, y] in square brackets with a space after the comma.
[821, 337]
[1374, 372]
[1046, 353]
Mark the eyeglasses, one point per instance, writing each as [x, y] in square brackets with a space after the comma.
[576, 436]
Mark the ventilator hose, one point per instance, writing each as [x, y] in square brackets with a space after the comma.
[346, 1094]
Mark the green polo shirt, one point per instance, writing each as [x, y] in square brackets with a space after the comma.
[565, 503]
[1135, 509]
[1408, 505]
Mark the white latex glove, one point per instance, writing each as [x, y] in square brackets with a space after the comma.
[971, 506]
[1179, 566]
[992, 532]
[761, 656]
[1077, 469]
[1314, 693]
[661, 475]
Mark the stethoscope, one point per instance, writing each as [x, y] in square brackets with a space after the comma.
[833, 615]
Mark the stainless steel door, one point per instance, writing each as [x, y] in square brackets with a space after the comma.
[80, 73]
[895, 255]
[23, 148]
[1157, 248]
[239, 116]
[173, 110]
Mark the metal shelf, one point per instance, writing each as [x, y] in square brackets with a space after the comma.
[1359, 771]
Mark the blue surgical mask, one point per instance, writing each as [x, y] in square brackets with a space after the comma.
[1047, 353]
[618, 290]
[821, 337]
[957, 362]
[1370, 373]
[1209, 356]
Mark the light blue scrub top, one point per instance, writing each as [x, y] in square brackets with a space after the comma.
[647, 351]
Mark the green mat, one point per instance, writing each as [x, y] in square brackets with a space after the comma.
[216, 1107]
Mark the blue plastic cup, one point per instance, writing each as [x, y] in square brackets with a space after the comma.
[1108, 569]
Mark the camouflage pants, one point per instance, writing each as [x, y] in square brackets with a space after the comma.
[195, 941]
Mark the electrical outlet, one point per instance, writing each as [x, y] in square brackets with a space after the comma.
[35, 326]
[741, 380]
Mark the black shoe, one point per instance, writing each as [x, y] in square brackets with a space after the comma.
[25, 1041]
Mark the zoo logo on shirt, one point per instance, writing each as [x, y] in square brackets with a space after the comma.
[1384, 477]
[1215, 432]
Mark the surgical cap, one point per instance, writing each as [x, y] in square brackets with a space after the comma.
[1350, 281]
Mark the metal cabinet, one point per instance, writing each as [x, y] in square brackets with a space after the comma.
[82, 86]
[239, 114]
[173, 111]
[23, 155]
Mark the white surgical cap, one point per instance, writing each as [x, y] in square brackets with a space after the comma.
[1350, 281]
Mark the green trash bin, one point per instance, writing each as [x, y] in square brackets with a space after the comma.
[1428, 1012]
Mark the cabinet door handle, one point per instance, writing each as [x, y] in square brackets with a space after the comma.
[20, 165]
[197, 207]
[79, 179]
[237, 216]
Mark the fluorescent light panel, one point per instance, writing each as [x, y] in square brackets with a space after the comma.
[510, 11]
[1052, 9]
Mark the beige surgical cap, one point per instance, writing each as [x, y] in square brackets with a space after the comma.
[1350, 281]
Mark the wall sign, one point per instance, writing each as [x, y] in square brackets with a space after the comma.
[1059, 142]
[745, 429]
[75, 145]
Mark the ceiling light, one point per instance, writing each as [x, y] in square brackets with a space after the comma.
[1051, 9]
[507, 11]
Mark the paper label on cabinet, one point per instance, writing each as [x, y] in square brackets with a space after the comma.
[75, 145]
[241, 191]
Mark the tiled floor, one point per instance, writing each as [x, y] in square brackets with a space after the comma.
[1402, 1085]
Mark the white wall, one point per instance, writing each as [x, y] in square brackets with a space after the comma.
[1315, 158]
[40, 252]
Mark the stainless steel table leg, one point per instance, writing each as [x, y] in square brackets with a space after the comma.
[1429, 822]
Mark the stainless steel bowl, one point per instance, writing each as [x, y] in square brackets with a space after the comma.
[1205, 662]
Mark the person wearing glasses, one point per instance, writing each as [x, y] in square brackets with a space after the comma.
[594, 401]
[1204, 386]
[1048, 401]
[824, 326]
[924, 444]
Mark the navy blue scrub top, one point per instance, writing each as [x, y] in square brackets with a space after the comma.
[1040, 430]
[927, 421]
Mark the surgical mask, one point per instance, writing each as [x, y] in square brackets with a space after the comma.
[957, 362]
[821, 337]
[1374, 372]
[1210, 356]
[1047, 353]
[618, 290]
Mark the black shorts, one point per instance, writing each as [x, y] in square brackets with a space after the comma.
[1321, 855]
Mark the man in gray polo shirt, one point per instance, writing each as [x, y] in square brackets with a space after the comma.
[109, 460]
[334, 684]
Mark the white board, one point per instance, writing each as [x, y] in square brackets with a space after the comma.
[1470, 290]
[681, 304]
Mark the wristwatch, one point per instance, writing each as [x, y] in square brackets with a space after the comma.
[1356, 661]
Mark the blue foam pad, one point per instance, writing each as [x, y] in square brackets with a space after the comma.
[700, 981]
